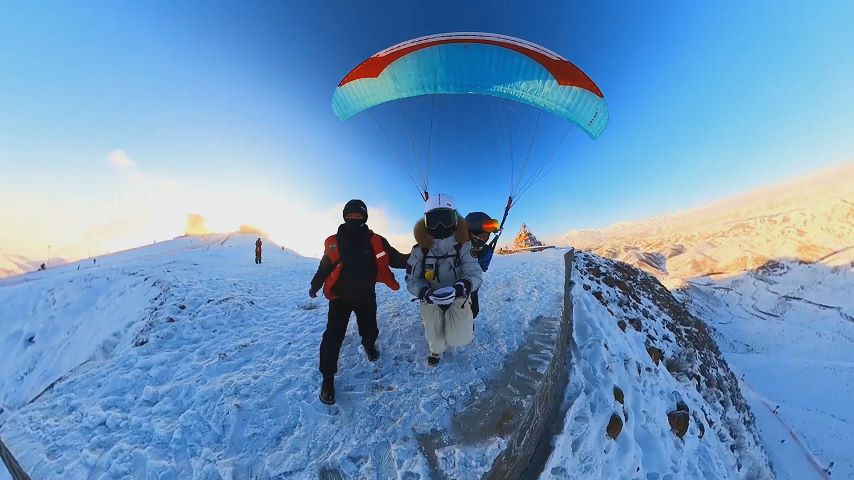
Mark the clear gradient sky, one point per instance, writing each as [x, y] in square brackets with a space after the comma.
[117, 119]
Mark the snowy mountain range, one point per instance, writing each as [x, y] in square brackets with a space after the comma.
[810, 220]
[185, 359]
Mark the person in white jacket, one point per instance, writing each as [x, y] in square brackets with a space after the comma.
[442, 272]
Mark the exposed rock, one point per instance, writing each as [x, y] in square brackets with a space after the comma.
[635, 323]
[700, 425]
[679, 420]
[655, 354]
[618, 395]
[525, 239]
[615, 426]
[622, 325]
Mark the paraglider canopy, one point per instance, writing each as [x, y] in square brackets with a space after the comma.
[474, 63]
[482, 64]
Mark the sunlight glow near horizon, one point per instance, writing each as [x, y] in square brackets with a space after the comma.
[119, 120]
[151, 208]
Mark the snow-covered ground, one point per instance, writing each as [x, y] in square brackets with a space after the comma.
[619, 315]
[773, 273]
[788, 331]
[186, 360]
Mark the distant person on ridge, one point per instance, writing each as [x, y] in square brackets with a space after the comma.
[481, 226]
[354, 260]
[442, 273]
[258, 250]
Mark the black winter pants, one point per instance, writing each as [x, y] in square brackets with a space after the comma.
[340, 309]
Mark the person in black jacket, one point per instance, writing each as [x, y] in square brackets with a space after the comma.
[354, 260]
[481, 226]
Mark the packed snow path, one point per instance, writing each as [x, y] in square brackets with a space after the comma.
[217, 376]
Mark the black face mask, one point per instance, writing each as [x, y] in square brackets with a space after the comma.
[442, 231]
[353, 226]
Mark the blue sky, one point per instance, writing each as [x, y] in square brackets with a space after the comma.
[231, 101]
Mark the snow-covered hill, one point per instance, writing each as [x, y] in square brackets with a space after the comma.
[772, 273]
[648, 372]
[11, 265]
[788, 329]
[187, 360]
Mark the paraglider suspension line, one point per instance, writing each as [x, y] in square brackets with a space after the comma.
[421, 171]
[430, 146]
[419, 187]
[541, 171]
[518, 180]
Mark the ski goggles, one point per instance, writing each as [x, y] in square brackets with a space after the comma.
[440, 218]
[490, 225]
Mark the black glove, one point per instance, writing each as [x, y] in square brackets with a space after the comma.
[424, 294]
[312, 293]
[462, 288]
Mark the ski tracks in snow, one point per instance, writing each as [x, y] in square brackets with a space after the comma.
[809, 458]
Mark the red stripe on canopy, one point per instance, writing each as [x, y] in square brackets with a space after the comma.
[564, 72]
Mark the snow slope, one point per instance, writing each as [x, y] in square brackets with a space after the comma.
[620, 316]
[772, 272]
[788, 330]
[186, 360]
[58, 319]
[205, 366]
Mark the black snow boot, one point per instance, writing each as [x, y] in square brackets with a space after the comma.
[327, 390]
[433, 359]
[372, 352]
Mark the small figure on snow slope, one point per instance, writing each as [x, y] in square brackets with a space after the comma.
[258, 250]
[442, 273]
[354, 260]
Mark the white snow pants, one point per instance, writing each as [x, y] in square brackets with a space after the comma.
[452, 327]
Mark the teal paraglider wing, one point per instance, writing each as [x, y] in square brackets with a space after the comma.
[474, 63]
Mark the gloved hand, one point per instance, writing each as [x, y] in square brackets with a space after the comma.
[312, 293]
[462, 288]
[425, 294]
